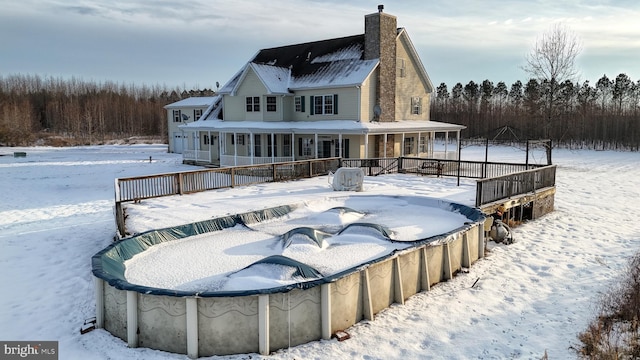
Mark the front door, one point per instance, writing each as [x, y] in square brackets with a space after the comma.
[325, 150]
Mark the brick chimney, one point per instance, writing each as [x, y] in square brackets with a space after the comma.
[380, 31]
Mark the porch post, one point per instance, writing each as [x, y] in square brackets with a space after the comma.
[292, 145]
[446, 142]
[340, 144]
[210, 141]
[366, 146]
[273, 148]
[235, 148]
[432, 139]
[315, 143]
[458, 144]
[222, 146]
[384, 143]
[402, 146]
[252, 150]
[196, 143]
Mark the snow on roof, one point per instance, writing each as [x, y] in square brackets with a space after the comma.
[192, 101]
[336, 74]
[327, 63]
[275, 78]
[353, 52]
[310, 127]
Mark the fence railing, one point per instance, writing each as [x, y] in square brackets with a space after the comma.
[503, 187]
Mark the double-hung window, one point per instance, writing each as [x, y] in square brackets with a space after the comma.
[253, 103]
[197, 113]
[324, 104]
[177, 116]
[298, 102]
[416, 105]
[271, 103]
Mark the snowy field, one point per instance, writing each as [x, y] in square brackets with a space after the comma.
[56, 211]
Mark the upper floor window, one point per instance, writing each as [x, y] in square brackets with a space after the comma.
[324, 104]
[177, 116]
[298, 101]
[271, 103]
[416, 105]
[402, 67]
[253, 103]
[197, 113]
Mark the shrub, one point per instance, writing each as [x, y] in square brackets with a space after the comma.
[614, 334]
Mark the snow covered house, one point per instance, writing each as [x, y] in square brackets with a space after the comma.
[182, 112]
[361, 96]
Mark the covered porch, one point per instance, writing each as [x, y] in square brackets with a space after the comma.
[229, 143]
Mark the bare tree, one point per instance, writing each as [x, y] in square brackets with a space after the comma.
[553, 61]
[553, 56]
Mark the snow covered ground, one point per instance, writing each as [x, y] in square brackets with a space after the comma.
[56, 211]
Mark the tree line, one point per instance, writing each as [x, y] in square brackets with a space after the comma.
[76, 111]
[576, 115]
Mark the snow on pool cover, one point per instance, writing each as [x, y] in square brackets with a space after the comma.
[350, 232]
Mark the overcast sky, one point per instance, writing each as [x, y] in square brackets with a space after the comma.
[196, 43]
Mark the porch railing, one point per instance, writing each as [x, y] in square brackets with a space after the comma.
[231, 160]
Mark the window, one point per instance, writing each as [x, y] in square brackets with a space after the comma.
[305, 146]
[402, 70]
[298, 101]
[240, 139]
[177, 116]
[345, 148]
[408, 145]
[324, 104]
[256, 145]
[206, 139]
[416, 105]
[286, 145]
[423, 144]
[253, 103]
[271, 103]
[197, 113]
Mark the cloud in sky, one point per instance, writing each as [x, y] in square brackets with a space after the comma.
[193, 44]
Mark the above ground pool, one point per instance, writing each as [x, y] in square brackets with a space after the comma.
[279, 277]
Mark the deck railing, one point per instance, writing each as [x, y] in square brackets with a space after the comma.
[503, 187]
[438, 167]
[499, 180]
[178, 183]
